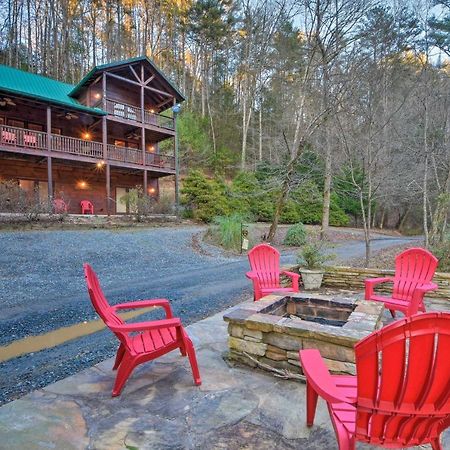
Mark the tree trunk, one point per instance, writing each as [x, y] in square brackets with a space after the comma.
[285, 187]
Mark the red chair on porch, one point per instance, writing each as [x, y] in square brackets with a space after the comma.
[400, 396]
[414, 269]
[59, 206]
[86, 207]
[143, 341]
[265, 272]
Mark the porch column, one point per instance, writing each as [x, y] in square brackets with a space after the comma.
[145, 182]
[105, 159]
[144, 162]
[49, 158]
[108, 189]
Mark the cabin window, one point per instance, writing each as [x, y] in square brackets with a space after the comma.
[119, 143]
[56, 131]
[133, 145]
[35, 127]
[35, 188]
[16, 123]
[2, 120]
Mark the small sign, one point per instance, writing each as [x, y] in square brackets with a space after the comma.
[244, 244]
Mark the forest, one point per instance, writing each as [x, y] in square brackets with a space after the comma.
[315, 111]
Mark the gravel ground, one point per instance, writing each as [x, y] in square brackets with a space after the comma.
[42, 288]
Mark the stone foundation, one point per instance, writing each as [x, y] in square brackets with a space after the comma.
[267, 332]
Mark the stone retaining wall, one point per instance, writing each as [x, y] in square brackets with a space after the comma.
[353, 278]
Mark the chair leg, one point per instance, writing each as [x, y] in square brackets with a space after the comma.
[126, 367]
[392, 313]
[119, 356]
[183, 350]
[193, 362]
[436, 444]
[311, 404]
[345, 442]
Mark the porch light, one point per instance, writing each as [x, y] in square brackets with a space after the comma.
[151, 148]
[152, 111]
[100, 164]
[86, 135]
[151, 190]
[81, 184]
[97, 95]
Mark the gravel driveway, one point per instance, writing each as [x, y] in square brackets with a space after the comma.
[42, 288]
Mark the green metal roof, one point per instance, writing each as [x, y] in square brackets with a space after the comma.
[26, 84]
[96, 69]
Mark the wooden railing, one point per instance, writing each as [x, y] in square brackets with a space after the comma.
[130, 112]
[66, 144]
[124, 154]
[28, 139]
[155, 160]
[19, 137]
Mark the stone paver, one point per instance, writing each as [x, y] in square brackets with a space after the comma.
[160, 408]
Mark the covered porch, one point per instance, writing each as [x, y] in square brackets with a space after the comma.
[73, 181]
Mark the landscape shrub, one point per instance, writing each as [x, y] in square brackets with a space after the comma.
[14, 199]
[296, 235]
[313, 256]
[310, 205]
[442, 252]
[164, 205]
[290, 213]
[138, 202]
[226, 230]
[205, 198]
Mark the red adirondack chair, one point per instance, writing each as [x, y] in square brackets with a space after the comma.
[265, 271]
[59, 206]
[401, 394]
[143, 341]
[86, 207]
[414, 269]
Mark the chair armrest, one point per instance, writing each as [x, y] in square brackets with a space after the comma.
[147, 303]
[417, 297]
[370, 284]
[426, 287]
[294, 276]
[252, 276]
[318, 376]
[143, 326]
[290, 274]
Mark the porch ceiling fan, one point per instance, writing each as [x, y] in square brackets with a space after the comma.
[133, 135]
[68, 115]
[6, 101]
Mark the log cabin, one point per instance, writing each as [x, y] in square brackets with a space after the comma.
[92, 141]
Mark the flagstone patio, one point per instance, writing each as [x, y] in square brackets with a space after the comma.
[160, 408]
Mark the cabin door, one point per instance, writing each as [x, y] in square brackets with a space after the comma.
[121, 206]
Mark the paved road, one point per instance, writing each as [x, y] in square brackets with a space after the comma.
[42, 288]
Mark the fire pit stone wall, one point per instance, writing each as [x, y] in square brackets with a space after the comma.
[269, 333]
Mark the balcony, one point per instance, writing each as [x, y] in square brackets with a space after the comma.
[133, 113]
[35, 142]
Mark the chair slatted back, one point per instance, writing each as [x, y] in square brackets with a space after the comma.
[265, 262]
[403, 375]
[413, 267]
[99, 301]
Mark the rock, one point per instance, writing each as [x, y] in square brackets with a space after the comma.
[331, 351]
[275, 356]
[256, 334]
[272, 348]
[241, 345]
[235, 330]
[283, 341]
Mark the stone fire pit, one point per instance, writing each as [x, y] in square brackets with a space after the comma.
[270, 332]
